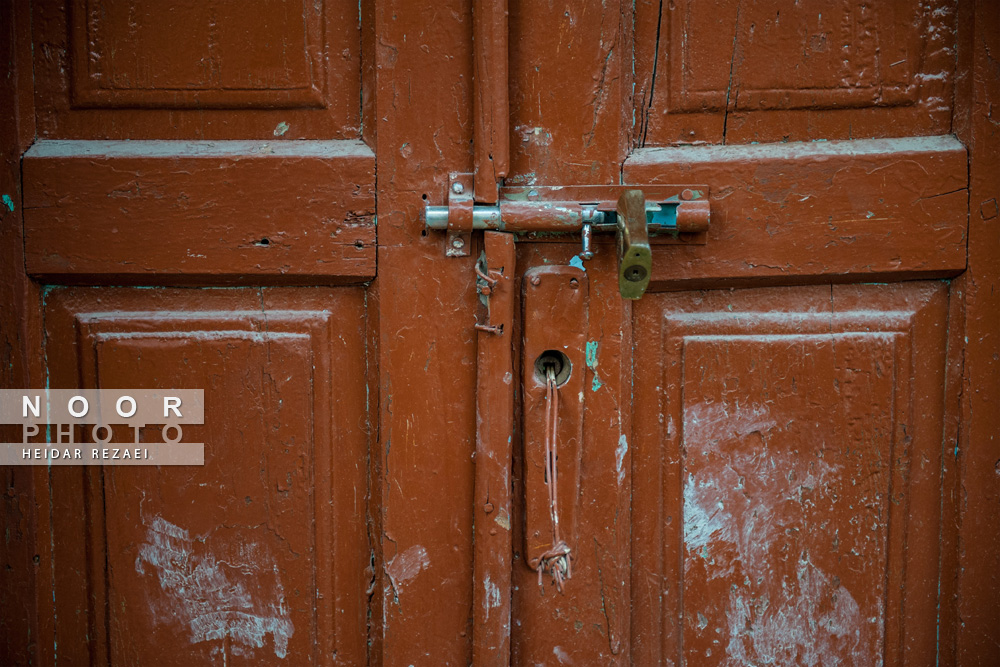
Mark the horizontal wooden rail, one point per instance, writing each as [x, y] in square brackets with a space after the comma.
[154, 212]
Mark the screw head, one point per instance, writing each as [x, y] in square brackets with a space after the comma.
[535, 280]
[457, 188]
[488, 508]
[687, 195]
[458, 242]
[486, 290]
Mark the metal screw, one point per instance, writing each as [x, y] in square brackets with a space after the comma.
[573, 284]
[535, 280]
[687, 195]
[488, 508]
[457, 188]
[458, 242]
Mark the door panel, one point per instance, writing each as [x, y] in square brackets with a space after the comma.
[260, 555]
[211, 70]
[155, 212]
[167, 155]
[787, 475]
[710, 72]
[569, 64]
[817, 211]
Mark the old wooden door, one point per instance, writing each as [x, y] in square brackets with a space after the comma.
[783, 453]
[759, 459]
[198, 212]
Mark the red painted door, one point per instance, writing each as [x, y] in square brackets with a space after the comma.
[198, 211]
[759, 456]
[783, 453]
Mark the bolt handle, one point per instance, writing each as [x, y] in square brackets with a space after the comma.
[635, 258]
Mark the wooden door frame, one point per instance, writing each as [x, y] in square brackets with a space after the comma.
[423, 342]
[976, 558]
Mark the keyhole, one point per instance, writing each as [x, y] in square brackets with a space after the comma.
[557, 361]
[634, 274]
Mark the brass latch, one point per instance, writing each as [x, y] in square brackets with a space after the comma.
[641, 216]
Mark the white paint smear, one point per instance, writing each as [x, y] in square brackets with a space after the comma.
[408, 564]
[620, 451]
[237, 594]
[712, 422]
[792, 629]
[492, 596]
[807, 619]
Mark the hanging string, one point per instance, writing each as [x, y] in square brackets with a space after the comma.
[556, 560]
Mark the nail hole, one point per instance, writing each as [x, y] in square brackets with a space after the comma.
[263, 243]
[359, 244]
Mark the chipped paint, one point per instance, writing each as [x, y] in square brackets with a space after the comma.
[228, 592]
[802, 623]
[492, 597]
[561, 655]
[807, 618]
[591, 353]
[281, 129]
[620, 451]
[713, 422]
[408, 564]
[8, 202]
[536, 135]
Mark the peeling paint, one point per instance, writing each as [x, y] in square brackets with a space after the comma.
[620, 451]
[535, 135]
[713, 422]
[804, 624]
[592, 347]
[8, 202]
[408, 564]
[492, 596]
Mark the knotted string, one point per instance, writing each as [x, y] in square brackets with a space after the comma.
[556, 560]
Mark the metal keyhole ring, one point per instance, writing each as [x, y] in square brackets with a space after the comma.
[558, 362]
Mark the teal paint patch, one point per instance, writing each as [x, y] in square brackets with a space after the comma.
[592, 346]
[8, 202]
[577, 262]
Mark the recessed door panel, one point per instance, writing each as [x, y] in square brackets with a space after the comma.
[260, 555]
[786, 481]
